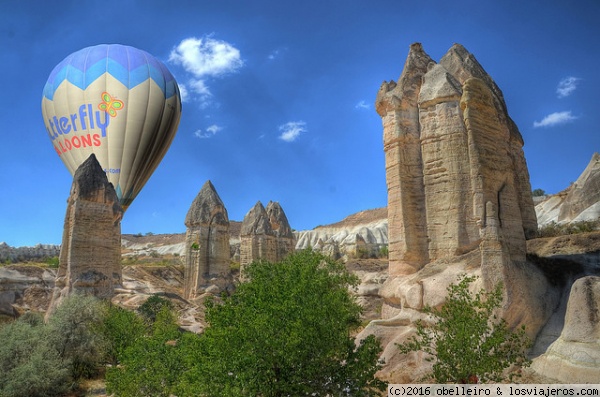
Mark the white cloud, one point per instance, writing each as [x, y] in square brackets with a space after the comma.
[566, 86]
[183, 92]
[209, 133]
[206, 57]
[362, 105]
[555, 119]
[291, 130]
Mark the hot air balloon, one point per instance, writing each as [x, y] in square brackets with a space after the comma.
[117, 102]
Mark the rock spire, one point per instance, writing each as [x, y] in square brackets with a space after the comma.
[285, 239]
[450, 149]
[258, 240]
[266, 234]
[90, 256]
[206, 243]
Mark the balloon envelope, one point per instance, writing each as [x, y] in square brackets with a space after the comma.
[117, 102]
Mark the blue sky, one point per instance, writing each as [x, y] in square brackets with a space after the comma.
[278, 97]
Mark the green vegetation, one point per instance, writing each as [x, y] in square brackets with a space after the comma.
[53, 262]
[40, 359]
[554, 229]
[286, 331]
[467, 342]
[538, 193]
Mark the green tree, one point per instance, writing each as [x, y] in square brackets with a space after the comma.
[122, 329]
[149, 366]
[538, 193]
[285, 332]
[467, 342]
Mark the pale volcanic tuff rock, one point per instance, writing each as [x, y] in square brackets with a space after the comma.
[579, 202]
[37, 252]
[90, 256]
[285, 238]
[366, 230]
[575, 356]
[258, 241]
[459, 200]
[450, 148]
[207, 253]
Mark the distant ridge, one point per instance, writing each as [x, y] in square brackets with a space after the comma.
[362, 217]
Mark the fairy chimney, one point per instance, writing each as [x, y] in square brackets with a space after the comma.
[258, 241]
[285, 239]
[451, 152]
[90, 255]
[206, 243]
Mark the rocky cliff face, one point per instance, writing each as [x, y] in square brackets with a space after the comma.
[19, 254]
[575, 356]
[579, 202]
[207, 255]
[362, 234]
[90, 257]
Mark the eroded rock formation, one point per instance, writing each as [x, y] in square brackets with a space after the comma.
[265, 234]
[450, 148]
[285, 239]
[90, 255]
[575, 356]
[206, 244]
[579, 202]
[258, 241]
[459, 201]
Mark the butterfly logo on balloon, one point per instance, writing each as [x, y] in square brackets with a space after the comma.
[110, 104]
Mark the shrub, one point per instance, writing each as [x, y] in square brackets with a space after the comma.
[122, 329]
[75, 331]
[554, 229]
[467, 342]
[53, 262]
[152, 306]
[31, 366]
[151, 365]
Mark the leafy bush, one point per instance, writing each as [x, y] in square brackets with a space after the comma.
[40, 359]
[151, 365]
[53, 262]
[122, 329]
[467, 342]
[75, 330]
[286, 331]
[31, 366]
[152, 306]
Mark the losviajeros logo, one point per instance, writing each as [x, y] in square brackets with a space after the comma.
[78, 129]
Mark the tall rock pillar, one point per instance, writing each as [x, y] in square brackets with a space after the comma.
[397, 106]
[257, 238]
[450, 148]
[90, 255]
[285, 239]
[206, 243]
